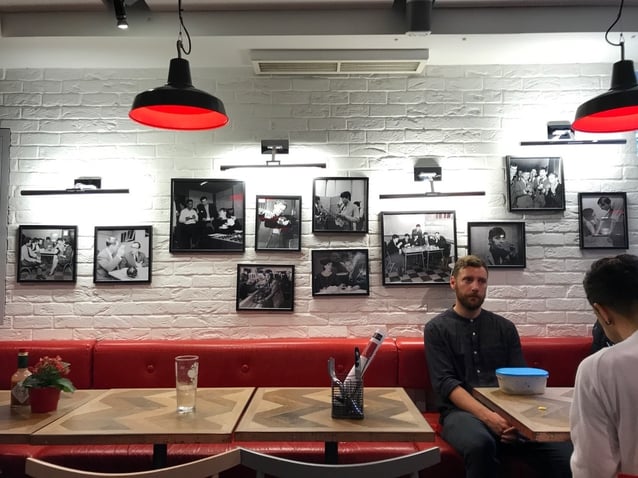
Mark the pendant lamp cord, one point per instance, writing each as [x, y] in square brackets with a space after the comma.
[621, 42]
[180, 43]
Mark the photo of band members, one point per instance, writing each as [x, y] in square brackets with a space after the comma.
[535, 183]
[340, 272]
[278, 223]
[499, 244]
[340, 205]
[207, 215]
[47, 253]
[418, 247]
[265, 287]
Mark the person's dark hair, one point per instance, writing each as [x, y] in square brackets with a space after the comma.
[202, 198]
[468, 261]
[613, 282]
[138, 244]
[395, 236]
[189, 201]
[494, 232]
[346, 194]
[588, 213]
[324, 261]
[604, 200]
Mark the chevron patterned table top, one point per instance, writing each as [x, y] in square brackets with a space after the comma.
[17, 426]
[149, 416]
[304, 414]
[537, 417]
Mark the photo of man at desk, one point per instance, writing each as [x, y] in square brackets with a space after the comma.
[465, 345]
[122, 254]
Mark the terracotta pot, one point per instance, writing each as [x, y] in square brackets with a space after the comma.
[44, 399]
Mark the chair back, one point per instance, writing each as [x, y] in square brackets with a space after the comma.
[206, 467]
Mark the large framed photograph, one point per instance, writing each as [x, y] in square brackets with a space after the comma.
[207, 215]
[340, 205]
[47, 253]
[123, 254]
[265, 287]
[278, 223]
[418, 247]
[340, 272]
[603, 221]
[535, 184]
[499, 243]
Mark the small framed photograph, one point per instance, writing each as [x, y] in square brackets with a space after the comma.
[278, 223]
[122, 254]
[340, 272]
[265, 287]
[499, 243]
[603, 221]
[340, 205]
[47, 253]
[535, 184]
[418, 247]
[207, 215]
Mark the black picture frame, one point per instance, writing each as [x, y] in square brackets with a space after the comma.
[535, 183]
[501, 244]
[277, 223]
[602, 220]
[265, 287]
[331, 214]
[340, 272]
[46, 253]
[123, 254]
[424, 247]
[203, 228]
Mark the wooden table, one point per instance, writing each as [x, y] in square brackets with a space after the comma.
[304, 414]
[17, 425]
[537, 417]
[149, 416]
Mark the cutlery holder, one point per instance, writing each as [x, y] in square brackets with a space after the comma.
[347, 399]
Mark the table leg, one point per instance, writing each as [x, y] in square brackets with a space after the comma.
[159, 455]
[331, 452]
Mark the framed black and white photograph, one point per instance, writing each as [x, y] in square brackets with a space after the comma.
[498, 243]
[340, 205]
[122, 254]
[340, 272]
[207, 215]
[265, 287]
[278, 223]
[418, 247]
[535, 184]
[47, 253]
[603, 221]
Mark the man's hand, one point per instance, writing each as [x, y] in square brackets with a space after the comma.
[499, 426]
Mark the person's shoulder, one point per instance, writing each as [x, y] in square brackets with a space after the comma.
[439, 319]
[489, 315]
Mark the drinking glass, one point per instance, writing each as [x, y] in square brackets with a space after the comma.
[186, 368]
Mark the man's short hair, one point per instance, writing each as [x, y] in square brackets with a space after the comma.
[346, 194]
[203, 197]
[588, 213]
[139, 246]
[495, 232]
[468, 261]
[604, 200]
[613, 282]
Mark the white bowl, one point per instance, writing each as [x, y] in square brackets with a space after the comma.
[522, 380]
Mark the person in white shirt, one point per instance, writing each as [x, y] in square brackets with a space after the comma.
[602, 418]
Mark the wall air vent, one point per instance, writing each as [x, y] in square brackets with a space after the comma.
[338, 62]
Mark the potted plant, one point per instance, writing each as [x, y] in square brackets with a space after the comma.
[47, 379]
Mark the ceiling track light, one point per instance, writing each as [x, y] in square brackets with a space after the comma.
[616, 110]
[120, 14]
[178, 105]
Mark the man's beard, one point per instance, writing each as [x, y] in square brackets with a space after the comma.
[470, 305]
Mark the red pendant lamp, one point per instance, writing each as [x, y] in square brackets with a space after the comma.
[617, 109]
[178, 105]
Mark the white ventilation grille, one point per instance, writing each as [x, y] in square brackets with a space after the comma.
[345, 62]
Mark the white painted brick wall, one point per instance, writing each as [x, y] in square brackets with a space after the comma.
[70, 123]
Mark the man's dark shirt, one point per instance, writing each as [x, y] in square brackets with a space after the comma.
[467, 352]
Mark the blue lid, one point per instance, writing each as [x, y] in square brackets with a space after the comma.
[522, 371]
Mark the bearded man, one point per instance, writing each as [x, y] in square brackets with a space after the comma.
[464, 346]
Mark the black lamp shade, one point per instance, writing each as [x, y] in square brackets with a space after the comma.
[178, 104]
[615, 110]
